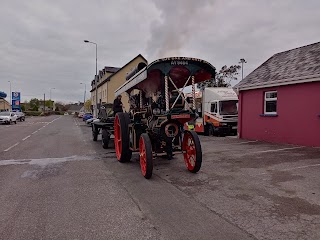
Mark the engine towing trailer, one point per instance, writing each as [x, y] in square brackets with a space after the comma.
[154, 124]
[104, 125]
[217, 110]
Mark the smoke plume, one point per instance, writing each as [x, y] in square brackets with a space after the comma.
[180, 20]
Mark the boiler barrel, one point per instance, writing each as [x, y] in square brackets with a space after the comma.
[135, 70]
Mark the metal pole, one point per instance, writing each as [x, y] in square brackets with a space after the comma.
[242, 61]
[193, 93]
[51, 103]
[166, 91]
[10, 97]
[85, 92]
[242, 69]
[96, 76]
[96, 79]
[141, 100]
[44, 103]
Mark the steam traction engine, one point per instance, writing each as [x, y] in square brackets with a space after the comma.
[154, 124]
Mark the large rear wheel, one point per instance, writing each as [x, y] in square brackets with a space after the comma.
[192, 152]
[121, 137]
[146, 161]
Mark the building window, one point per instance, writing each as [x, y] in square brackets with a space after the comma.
[214, 107]
[270, 102]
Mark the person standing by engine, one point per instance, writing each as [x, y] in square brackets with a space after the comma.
[117, 105]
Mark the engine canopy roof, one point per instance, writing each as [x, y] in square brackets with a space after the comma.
[151, 78]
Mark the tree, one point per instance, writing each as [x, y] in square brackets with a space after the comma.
[222, 78]
[49, 103]
[61, 106]
[34, 104]
[87, 105]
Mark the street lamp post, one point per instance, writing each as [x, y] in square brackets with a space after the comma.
[96, 76]
[85, 92]
[50, 97]
[242, 61]
[10, 96]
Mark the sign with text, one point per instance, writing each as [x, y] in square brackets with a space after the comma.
[16, 98]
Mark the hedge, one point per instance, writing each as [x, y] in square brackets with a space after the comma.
[36, 113]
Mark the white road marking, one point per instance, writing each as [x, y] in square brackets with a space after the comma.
[274, 150]
[43, 162]
[245, 142]
[306, 166]
[11, 147]
[47, 123]
[26, 138]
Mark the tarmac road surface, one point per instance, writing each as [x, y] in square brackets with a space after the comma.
[56, 183]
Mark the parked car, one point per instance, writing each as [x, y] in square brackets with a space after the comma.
[87, 116]
[80, 115]
[66, 114]
[90, 120]
[8, 117]
[20, 116]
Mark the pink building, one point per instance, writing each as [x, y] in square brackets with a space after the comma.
[280, 100]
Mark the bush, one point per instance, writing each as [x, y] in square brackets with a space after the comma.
[32, 113]
[58, 113]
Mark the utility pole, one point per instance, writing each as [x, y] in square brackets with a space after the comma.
[51, 105]
[85, 92]
[44, 103]
[96, 77]
[242, 61]
[10, 96]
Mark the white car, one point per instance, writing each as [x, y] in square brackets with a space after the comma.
[89, 121]
[8, 117]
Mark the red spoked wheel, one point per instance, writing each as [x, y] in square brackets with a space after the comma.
[121, 137]
[146, 161]
[192, 152]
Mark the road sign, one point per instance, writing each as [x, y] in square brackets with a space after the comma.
[16, 98]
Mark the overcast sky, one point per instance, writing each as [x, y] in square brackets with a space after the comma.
[41, 42]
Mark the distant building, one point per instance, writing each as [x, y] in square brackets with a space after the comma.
[51, 108]
[4, 105]
[111, 78]
[280, 100]
[75, 108]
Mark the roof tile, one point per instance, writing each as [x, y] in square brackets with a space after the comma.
[288, 66]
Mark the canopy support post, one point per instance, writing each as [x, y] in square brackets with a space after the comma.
[193, 94]
[141, 101]
[166, 86]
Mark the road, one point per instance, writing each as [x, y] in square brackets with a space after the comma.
[56, 183]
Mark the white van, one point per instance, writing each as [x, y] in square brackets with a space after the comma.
[218, 111]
